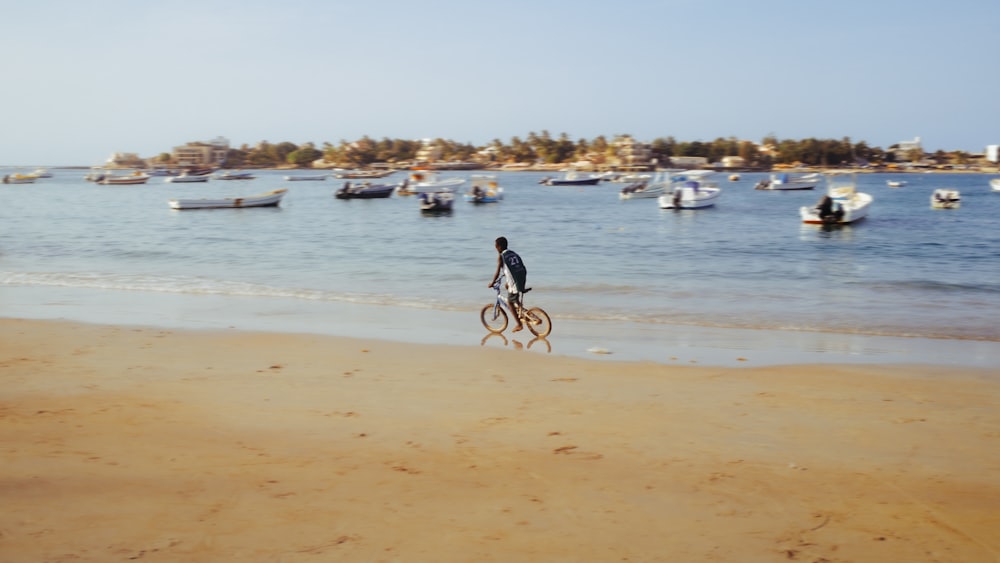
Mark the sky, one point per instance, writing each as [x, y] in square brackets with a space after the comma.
[83, 79]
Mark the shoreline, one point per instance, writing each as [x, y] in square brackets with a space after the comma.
[595, 340]
[178, 445]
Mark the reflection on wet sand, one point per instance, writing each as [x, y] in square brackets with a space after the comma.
[517, 344]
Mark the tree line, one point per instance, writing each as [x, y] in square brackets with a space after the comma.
[545, 148]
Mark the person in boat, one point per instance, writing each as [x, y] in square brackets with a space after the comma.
[516, 274]
[477, 192]
[827, 211]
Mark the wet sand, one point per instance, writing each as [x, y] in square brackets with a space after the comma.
[126, 443]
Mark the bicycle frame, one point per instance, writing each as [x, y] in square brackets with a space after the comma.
[504, 301]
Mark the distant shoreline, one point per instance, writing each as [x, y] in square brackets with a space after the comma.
[561, 167]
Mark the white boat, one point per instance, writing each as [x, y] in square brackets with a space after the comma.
[185, 178]
[945, 198]
[312, 178]
[484, 190]
[134, 178]
[426, 181]
[19, 179]
[895, 183]
[995, 184]
[690, 191]
[628, 178]
[436, 202]
[841, 205]
[642, 190]
[235, 175]
[269, 199]
[363, 174]
[656, 186]
[41, 173]
[786, 181]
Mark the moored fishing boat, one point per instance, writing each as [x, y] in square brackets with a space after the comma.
[484, 190]
[690, 191]
[436, 202]
[309, 178]
[19, 179]
[842, 204]
[786, 181]
[946, 198]
[186, 178]
[134, 178]
[365, 190]
[363, 174]
[571, 178]
[424, 181]
[235, 175]
[269, 199]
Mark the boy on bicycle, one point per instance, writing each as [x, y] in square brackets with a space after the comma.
[513, 268]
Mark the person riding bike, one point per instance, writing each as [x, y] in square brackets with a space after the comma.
[510, 263]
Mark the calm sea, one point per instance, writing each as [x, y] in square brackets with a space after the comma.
[73, 249]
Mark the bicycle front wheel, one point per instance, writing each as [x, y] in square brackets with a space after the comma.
[538, 322]
[494, 318]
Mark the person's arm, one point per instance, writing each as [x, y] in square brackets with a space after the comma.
[496, 274]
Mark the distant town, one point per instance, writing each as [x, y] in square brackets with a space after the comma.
[544, 152]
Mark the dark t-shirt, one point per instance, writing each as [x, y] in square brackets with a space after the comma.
[515, 266]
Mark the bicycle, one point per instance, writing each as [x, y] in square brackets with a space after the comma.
[495, 317]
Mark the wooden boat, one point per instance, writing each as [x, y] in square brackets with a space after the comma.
[269, 199]
[841, 205]
[134, 178]
[365, 190]
[19, 179]
[436, 202]
[484, 190]
[946, 198]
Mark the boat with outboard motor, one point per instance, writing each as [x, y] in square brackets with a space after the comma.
[484, 189]
[690, 190]
[841, 205]
[786, 181]
[946, 198]
[436, 202]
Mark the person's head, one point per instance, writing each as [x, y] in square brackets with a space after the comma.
[501, 243]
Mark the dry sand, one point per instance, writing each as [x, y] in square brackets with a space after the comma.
[123, 443]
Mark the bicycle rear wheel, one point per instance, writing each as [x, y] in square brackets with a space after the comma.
[494, 318]
[538, 321]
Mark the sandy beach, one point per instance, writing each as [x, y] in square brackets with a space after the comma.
[122, 443]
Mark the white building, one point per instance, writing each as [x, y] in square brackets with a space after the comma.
[993, 153]
[905, 149]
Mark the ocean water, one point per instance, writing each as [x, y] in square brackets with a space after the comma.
[73, 249]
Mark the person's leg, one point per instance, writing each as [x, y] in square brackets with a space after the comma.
[515, 305]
